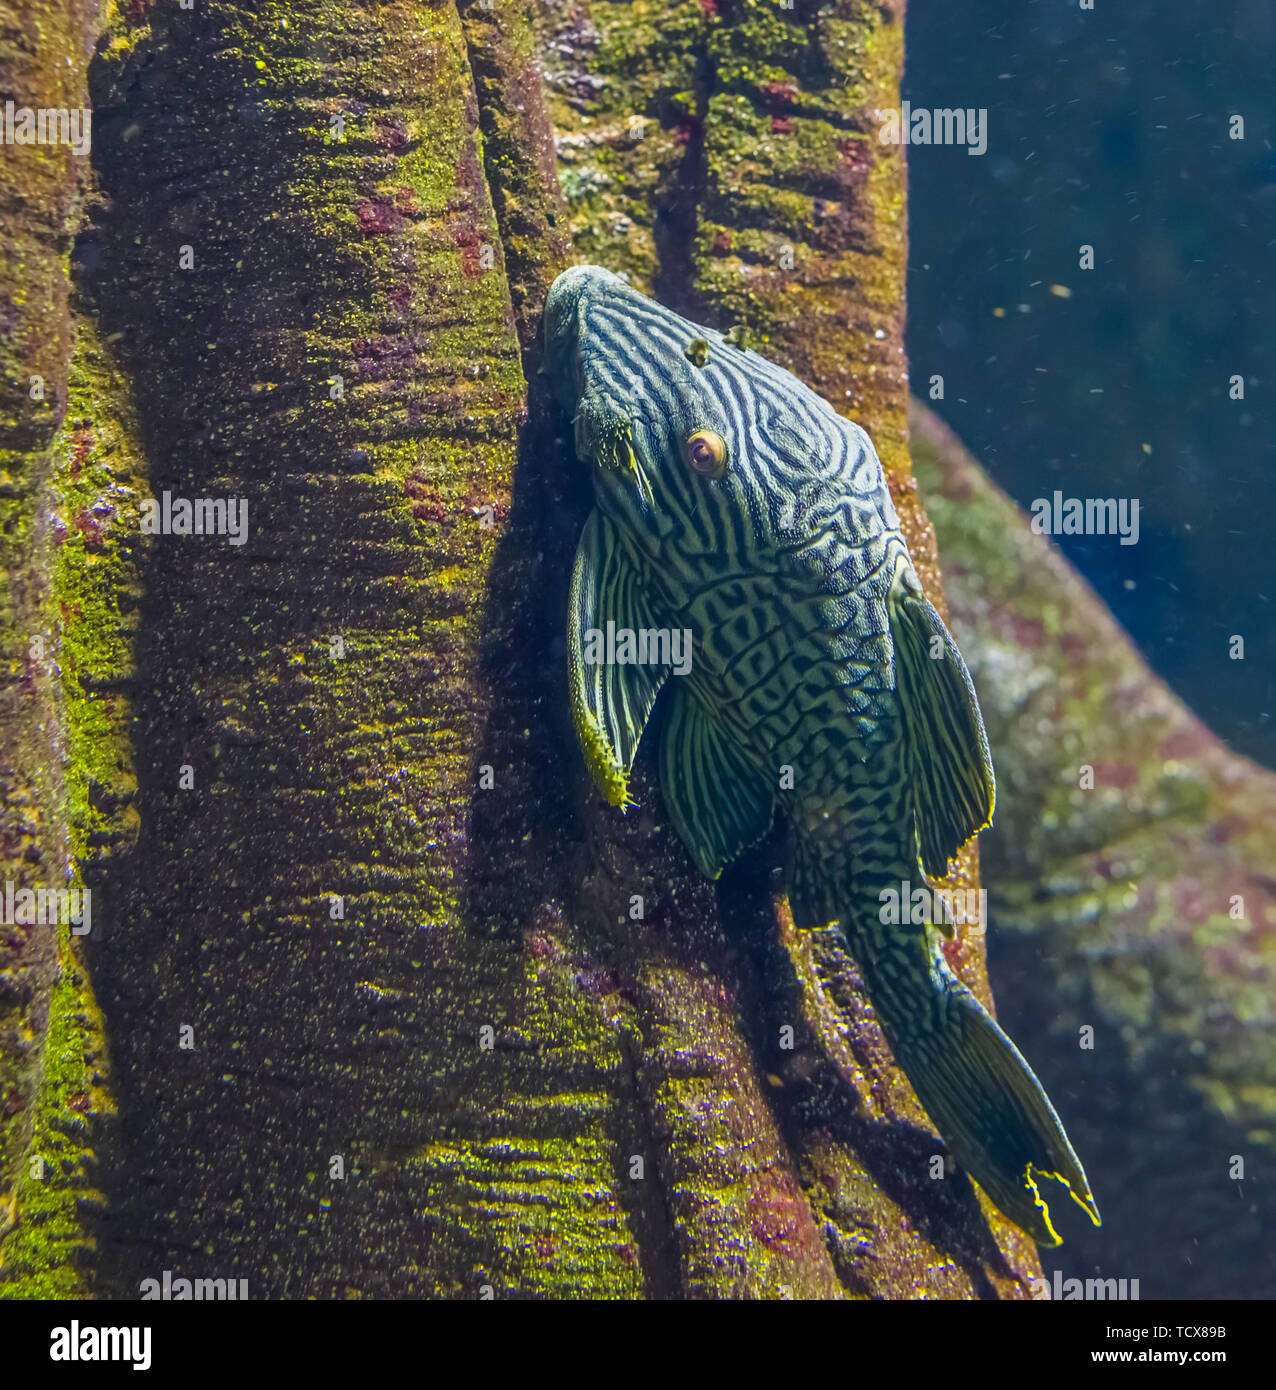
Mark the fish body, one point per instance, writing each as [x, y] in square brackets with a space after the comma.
[733, 503]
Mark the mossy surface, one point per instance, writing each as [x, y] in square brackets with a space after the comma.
[47, 1253]
[334, 1080]
[91, 608]
[394, 1007]
[44, 52]
[1130, 888]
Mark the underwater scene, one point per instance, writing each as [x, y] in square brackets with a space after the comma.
[636, 656]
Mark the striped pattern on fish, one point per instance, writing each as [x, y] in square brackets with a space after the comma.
[734, 502]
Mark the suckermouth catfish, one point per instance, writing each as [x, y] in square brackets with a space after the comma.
[731, 502]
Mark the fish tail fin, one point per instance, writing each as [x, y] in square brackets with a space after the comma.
[976, 1087]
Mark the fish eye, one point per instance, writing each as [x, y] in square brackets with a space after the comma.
[706, 453]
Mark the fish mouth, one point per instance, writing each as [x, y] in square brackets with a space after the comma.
[606, 440]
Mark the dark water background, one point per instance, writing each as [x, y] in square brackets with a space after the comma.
[1110, 128]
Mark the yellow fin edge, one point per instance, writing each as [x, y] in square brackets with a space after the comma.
[609, 777]
[1087, 1205]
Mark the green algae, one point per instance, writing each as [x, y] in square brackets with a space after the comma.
[43, 52]
[394, 223]
[318, 775]
[44, 1252]
[91, 607]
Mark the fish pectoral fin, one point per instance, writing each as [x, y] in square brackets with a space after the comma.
[720, 802]
[611, 699]
[948, 748]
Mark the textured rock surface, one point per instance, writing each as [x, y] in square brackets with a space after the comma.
[381, 1017]
[1143, 909]
[48, 1093]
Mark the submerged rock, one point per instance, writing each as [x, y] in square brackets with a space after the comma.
[1133, 908]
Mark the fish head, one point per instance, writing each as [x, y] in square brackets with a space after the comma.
[694, 441]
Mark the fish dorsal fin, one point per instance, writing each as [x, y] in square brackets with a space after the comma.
[948, 748]
[610, 701]
[719, 801]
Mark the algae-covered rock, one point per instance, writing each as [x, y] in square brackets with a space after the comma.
[49, 1051]
[392, 1005]
[1132, 900]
